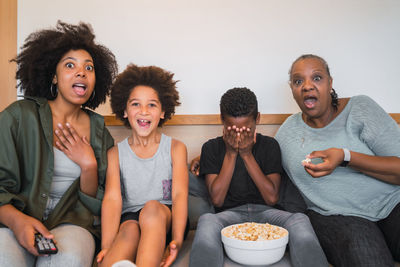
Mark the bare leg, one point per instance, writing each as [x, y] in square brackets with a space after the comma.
[154, 220]
[125, 244]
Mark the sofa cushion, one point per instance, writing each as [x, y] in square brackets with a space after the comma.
[197, 186]
[198, 200]
[290, 198]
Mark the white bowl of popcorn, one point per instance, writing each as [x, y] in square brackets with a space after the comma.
[254, 243]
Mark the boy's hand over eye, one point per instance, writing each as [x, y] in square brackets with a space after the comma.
[231, 136]
[246, 141]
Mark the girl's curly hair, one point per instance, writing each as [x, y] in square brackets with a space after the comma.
[42, 50]
[157, 78]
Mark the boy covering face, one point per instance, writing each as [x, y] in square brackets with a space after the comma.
[242, 170]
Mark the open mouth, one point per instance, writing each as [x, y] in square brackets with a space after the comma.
[143, 123]
[79, 88]
[310, 101]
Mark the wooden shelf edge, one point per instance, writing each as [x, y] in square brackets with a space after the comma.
[214, 119]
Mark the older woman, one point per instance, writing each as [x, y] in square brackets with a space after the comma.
[343, 155]
[53, 160]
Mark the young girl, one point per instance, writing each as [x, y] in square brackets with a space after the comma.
[147, 179]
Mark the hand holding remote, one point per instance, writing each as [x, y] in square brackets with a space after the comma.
[24, 228]
[44, 245]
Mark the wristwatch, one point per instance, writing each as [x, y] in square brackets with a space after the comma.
[346, 158]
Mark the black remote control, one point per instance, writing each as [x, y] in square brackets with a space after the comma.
[44, 245]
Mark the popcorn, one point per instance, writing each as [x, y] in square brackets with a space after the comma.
[251, 231]
[304, 161]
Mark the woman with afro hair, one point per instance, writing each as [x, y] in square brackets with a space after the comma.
[54, 149]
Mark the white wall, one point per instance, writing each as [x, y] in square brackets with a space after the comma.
[214, 45]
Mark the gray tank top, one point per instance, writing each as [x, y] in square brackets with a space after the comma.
[145, 179]
[65, 173]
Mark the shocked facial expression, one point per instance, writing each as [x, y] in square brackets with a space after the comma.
[143, 110]
[311, 85]
[75, 76]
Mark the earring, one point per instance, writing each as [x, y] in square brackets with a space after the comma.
[333, 93]
[53, 90]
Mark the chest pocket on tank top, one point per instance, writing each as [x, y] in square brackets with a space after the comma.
[167, 188]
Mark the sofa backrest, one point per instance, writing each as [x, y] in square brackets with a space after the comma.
[195, 130]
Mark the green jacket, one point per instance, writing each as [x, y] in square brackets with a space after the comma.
[27, 164]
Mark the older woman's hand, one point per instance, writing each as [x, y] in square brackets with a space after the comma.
[331, 158]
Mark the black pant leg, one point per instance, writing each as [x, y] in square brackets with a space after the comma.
[390, 227]
[350, 241]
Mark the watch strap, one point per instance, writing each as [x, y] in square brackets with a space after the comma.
[346, 158]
